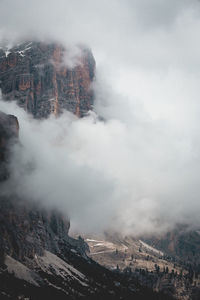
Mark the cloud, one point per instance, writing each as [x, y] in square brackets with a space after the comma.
[138, 170]
[46, 169]
[153, 33]
[128, 175]
[90, 20]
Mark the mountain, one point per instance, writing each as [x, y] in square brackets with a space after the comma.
[144, 261]
[38, 258]
[182, 243]
[37, 76]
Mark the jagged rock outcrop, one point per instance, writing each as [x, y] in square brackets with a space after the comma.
[36, 76]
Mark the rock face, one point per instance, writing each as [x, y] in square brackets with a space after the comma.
[26, 229]
[9, 129]
[36, 75]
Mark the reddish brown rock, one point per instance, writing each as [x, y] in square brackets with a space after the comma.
[35, 74]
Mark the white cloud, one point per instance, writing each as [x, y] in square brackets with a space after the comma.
[141, 165]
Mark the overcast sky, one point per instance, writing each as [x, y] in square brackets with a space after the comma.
[141, 167]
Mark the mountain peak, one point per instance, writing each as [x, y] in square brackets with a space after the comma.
[41, 79]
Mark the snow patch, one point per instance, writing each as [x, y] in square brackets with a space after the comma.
[99, 244]
[151, 248]
[7, 52]
[89, 240]
[21, 53]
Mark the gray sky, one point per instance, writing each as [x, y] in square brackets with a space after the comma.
[141, 166]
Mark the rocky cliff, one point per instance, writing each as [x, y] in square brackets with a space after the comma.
[9, 129]
[37, 76]
[26, 229]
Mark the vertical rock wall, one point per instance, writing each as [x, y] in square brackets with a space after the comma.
[36, 75]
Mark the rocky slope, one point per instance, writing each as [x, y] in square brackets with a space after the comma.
[182, 243]
[36, 75]
[147, 264]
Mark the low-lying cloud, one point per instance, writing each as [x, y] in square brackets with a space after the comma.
[139, 176]
[137, 171]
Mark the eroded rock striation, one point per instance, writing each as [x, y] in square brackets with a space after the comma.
[37, 76]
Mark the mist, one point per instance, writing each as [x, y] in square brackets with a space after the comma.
[138, 170]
